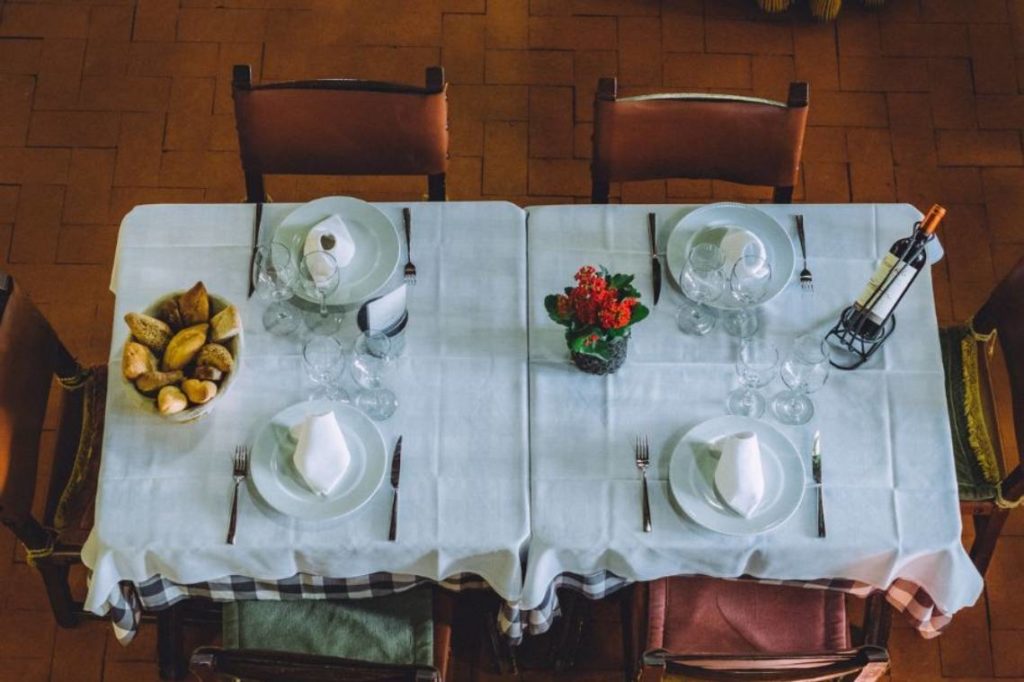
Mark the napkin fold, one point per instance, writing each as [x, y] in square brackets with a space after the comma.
[343, 248]
[385, 312]
[738, 242]
[739, 476]
[321, 455]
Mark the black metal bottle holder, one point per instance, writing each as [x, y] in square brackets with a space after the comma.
[849, 337]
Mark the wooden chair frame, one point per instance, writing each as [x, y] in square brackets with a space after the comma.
[607, 90]
[865, 664]
[242, 80]
[210, 663]
[1001, 313]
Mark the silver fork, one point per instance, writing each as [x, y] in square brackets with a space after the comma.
[806, 280]
[240, 469]
[643, 460]
[410, 269]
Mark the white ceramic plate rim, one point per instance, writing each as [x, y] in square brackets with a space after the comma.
[786, 501]
[353, 422]
[371, 218]
[779, 247]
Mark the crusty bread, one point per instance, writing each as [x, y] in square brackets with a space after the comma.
[137, 360]
[199, 392]
[225, 324]
[207, 373]
[194, 305]
[169, 313]
[150, 382]
[149, 331]
[171, 400]
[215, 355]
[184, 346]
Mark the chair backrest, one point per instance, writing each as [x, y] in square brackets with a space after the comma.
[720, 137]
[210, 663]
[1003, 313]
[30, 355]
[341, 127]
[865, 664]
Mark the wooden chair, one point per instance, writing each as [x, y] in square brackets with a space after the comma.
[989, 488]
[721, 137]
[31, 356]
[711, 629]
[277, 625]
[341, 127]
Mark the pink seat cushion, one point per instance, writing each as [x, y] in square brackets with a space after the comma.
[708, 615]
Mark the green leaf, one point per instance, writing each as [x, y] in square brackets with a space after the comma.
[640, 311]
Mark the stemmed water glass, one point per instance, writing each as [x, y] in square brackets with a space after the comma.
[804, 371]
[756, 366]
[320, 277]
[324, 358]
[273, 276]
[749, 282]
[702, 281]
[372, 356]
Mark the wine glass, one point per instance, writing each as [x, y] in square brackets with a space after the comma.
[324, 358]
[756, 366]
[702, 281]
[273, 277]
[373, 354]
[804, 371]
[320, 277]
[749, 283]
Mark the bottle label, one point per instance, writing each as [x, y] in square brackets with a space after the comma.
[887, 301]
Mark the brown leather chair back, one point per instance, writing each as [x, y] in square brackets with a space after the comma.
[865, 664]
[1003, 313]
[719, 137]
[341, 127]
[30, 355]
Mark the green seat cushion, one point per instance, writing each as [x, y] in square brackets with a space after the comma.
[973, 452]
[395, 629]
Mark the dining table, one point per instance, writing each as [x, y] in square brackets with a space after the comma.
[519, 473]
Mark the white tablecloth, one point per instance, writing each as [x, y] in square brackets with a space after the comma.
[164, 489]
[889, 483]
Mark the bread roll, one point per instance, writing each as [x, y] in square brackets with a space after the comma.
[184, 346]
[206, 373]
[215, 355]
[151, 381]
[169, 313]
[225, 324]
[199, 392]
[137, 360]
[194, 305]
[171, 400]
[149, 331]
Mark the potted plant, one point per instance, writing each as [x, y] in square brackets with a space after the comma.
[598, 314]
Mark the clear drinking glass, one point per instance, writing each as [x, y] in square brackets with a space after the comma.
[372, 356]
[320, 277]
[756, 366]
[749, 282]
[702, 281]
[804, 371]
[273, 278]
[324, 357]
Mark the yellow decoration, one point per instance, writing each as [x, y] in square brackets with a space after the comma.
[825, 10]
[977, 428]
[772, 6]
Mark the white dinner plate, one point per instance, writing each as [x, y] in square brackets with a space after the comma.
[378, 248]
[692, 477]
[778, 246]
[279, 483]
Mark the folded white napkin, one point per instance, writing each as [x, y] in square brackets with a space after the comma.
[343, 248]
[321, 455]
[739, 476]
[383, 313]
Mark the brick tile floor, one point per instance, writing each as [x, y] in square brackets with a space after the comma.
[105, 104]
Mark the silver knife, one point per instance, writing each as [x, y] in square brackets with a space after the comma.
[256, 220]
[816, 473]
[655, 263]
[396, 471]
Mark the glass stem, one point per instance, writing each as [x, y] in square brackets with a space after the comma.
[323, 304]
